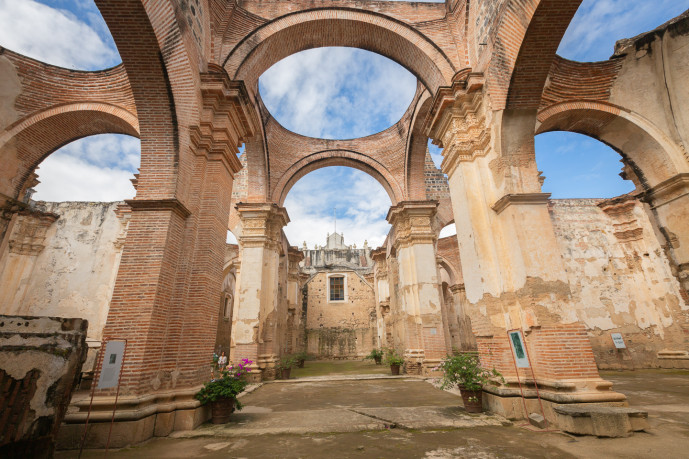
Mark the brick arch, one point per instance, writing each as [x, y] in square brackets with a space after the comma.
[524, 48]
[653, 155]
[337, 158]
[416, 151]
[30, 141]
[160, 72]
[323, 27]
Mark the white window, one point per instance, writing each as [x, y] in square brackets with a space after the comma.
[337, 288]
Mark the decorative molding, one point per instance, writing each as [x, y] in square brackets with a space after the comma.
[456, 121]
[520, 199]
[412, 223]
[227, 119]
[158, 205]
[262, 225]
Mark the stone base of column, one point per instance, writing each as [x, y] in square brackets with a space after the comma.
[137, 418]
[267, 363]
[429, 368]
[509, 403]
[413, 361]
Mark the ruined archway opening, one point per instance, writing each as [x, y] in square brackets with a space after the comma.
[97, 168]
[577, 166]
[73, 35]
[337, 92]
[337, 216]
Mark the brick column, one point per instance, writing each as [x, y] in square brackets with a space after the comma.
[419, 297]
[254, 330]
[513, 272]
[166, 295]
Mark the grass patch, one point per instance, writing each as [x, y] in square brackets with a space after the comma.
[339, 367]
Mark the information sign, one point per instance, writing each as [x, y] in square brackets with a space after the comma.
[618, 340]
[112, 364]
[519, 349]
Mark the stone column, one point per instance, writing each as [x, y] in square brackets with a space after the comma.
[513, 273]
[668, 203]
[420, 302]
[255, 327]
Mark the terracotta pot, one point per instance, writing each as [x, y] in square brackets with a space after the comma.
[475, 405]
[285, 373]
[378, 360]
[395, 370]
[221, 410]
[300, 364]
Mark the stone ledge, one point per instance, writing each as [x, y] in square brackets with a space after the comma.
[600, 420]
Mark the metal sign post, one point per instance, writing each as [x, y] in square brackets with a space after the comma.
[111, 362]
[521, 359]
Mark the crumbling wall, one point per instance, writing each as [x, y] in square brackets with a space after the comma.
[64, 267]
[345, 329]
[40, 361]
[622, 282]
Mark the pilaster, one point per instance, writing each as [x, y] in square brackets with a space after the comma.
[255, 329]
[420, 305]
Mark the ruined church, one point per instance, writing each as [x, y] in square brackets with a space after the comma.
[157, 271]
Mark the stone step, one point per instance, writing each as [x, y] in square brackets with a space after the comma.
[600, 420]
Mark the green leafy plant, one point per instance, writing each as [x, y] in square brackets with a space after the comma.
[393, 358]
[375, 354]
[286, 363]
[466, 371]
[301, 356]
[231, 383]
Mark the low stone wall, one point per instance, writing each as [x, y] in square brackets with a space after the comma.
[40, 360]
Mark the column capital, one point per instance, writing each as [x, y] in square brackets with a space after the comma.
[412, 222]
[261, 224]
[227, 119]
[456, 120]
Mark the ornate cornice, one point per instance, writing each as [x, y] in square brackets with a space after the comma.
[456, 121]
[412, 223]
[227, 119]
[262, 224]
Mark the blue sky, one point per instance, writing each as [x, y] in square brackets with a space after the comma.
[330, 93]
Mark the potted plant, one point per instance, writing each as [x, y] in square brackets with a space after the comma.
[465, 371]
[376, 355]
[301, 357]
[284, 367]
[222, 392]
[395, 361]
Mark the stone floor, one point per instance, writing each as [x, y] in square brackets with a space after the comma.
[409, 418]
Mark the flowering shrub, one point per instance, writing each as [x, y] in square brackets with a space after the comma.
[231, 383]
[465, 370]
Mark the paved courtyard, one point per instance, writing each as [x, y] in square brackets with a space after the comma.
[350, 417]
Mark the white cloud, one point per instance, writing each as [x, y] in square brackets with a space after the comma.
[361, 203]
[97, 168]
[337, 92]
[598, 24]
[56, 36]
[449, 230]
